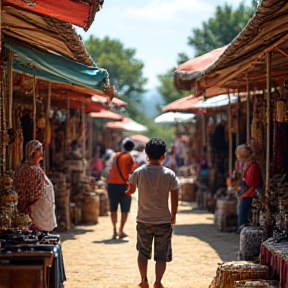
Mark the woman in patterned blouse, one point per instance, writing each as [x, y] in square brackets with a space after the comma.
[35, 190]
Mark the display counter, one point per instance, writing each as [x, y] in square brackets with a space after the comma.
[31, 265]
[275, 256]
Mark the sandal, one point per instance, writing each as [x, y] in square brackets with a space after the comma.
[123, 235]
[144, 284]
[114, 236]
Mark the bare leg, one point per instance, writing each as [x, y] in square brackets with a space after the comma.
[160, 268]
[114, 222]
[124, 216]
[142, 265]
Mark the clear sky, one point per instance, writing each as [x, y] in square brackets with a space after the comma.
[157, 29]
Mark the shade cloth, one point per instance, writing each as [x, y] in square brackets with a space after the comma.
[56, 68]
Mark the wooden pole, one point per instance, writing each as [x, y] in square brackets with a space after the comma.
[248, 113]
[84, 151]
[34, 105]
[268, 124]
[238, 120]
[1, 8]
[68, 131]
[10, 90]
[230, 135]
[48, 107]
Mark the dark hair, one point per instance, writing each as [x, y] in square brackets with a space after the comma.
[155, 148]
[128, 145]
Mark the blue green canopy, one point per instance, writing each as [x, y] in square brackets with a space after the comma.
[56, 68]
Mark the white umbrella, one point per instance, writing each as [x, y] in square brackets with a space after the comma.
[173, 117]
[127, 124]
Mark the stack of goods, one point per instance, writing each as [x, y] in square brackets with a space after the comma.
[9, 215]
[104, 201]
[187, 192]
[257, 284]
[230, 272]
[62, 199]
[274, 253]
[253, 235]
[251, 238]
[225, 217]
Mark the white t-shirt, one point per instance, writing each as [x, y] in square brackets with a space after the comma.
[154, 183]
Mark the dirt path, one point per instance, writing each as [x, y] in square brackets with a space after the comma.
[92, 259]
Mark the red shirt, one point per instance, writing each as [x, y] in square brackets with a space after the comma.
[252, 177]
[125, 164]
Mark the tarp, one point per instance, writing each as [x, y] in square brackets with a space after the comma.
[80, 13]
[56, 68]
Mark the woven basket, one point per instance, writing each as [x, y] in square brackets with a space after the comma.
[230, 272]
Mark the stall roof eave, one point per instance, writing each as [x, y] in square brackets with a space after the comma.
[79, 13]
[245, 57]
[186, 74]
[44, 33]
[56, 68]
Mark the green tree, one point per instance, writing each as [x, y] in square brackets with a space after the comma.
[167, 89]
[125, 71]
[216, 32]
[221, 29]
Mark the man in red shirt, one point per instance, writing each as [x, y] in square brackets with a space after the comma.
[123, 164]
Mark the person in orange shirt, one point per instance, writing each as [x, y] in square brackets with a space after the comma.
[123, 165]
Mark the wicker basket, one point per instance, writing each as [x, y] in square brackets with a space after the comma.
[260, 283]
[90, 209]
[187, 192]
[230, 272]
[225, 217]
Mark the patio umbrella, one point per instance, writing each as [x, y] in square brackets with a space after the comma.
[127, 124]
[173, 117]
[139, 138]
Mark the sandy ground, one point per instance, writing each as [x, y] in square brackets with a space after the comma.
[92, 259]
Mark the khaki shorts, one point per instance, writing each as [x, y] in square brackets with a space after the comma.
[161, 233]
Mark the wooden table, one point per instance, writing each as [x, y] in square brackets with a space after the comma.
[25, 269]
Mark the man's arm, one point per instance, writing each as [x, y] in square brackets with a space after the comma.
[174, 205]
[131, 189]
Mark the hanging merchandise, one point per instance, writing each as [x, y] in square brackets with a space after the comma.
[280, 111]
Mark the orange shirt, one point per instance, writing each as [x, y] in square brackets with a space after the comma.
[125, 164]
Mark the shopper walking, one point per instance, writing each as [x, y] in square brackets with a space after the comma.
[122, 166]
[154, 219]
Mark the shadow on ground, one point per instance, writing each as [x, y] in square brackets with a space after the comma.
[72, 233]
[112, 241]
[224, 243]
